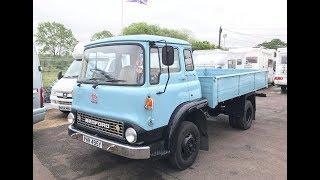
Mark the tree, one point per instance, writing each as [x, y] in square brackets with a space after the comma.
[54, 39]
[144, 28]
[201, 45]
[273, 44]
[101, 35]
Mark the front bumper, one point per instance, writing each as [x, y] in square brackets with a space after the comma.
[61, 103]
[140, 152]
[281, 82]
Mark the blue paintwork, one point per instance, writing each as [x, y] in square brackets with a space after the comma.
[137, 38]
[219, 85]
[126, 103]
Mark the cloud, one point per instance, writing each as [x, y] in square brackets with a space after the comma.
[267, 18]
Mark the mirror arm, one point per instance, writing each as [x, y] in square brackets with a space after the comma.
[165, 87]
[152, 43]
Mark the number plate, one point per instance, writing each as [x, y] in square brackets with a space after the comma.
[63, 108]
[93, 142]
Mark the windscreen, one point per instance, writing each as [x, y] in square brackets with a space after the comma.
[113, 65]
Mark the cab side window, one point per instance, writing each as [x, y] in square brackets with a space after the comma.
[175, 67]
[156, 66]
[188, 60]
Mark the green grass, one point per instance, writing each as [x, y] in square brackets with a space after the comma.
[49, 77]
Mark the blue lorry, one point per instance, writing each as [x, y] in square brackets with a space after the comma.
[140, 97]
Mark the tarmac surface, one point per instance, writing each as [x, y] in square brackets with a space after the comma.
[257, 153]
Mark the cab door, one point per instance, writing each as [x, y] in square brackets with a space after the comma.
[191, 75]
[176, 91]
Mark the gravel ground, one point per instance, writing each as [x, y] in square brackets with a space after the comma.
[257, 153]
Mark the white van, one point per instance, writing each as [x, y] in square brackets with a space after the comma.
[39, 110]
[280, 78]
[61, 92]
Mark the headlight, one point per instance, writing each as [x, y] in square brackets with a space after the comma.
[131, 135]
[70, 118]
[53, 93]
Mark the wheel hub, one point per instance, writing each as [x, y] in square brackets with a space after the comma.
[248, 114]
[188, 146]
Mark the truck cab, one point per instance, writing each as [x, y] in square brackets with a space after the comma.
[149, 102]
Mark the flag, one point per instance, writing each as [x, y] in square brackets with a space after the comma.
[139, 1]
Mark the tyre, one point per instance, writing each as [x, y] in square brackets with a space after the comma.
[283, 89]
[245, 121]
[186, 143]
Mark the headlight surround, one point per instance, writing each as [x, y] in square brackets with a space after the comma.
[131, 135]
[70, 118]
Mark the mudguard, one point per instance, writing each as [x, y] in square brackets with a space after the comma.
[180, 113]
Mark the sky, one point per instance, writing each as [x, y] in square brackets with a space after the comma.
[246, 23]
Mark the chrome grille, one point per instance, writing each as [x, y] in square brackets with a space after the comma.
[112, 124]
[64, 102]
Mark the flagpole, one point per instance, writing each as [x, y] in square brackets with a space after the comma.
[121, 16]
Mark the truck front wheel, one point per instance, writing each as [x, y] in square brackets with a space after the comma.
[185, 146]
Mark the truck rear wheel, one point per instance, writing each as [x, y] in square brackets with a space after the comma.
[283, 89]
[246, 119]
[186, 144]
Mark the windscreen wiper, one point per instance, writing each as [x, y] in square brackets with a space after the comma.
[115, 80]
[96, 83]
[71, 76]
[105, 74]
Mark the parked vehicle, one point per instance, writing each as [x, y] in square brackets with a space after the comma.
[154, 103]
[258, 58]
[280, 78]
[217, 58]
[39, 110]
[61, 92]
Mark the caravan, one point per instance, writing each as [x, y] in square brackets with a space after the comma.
[280, 78]
[217, 58]
[258, 58]
[239, 58]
